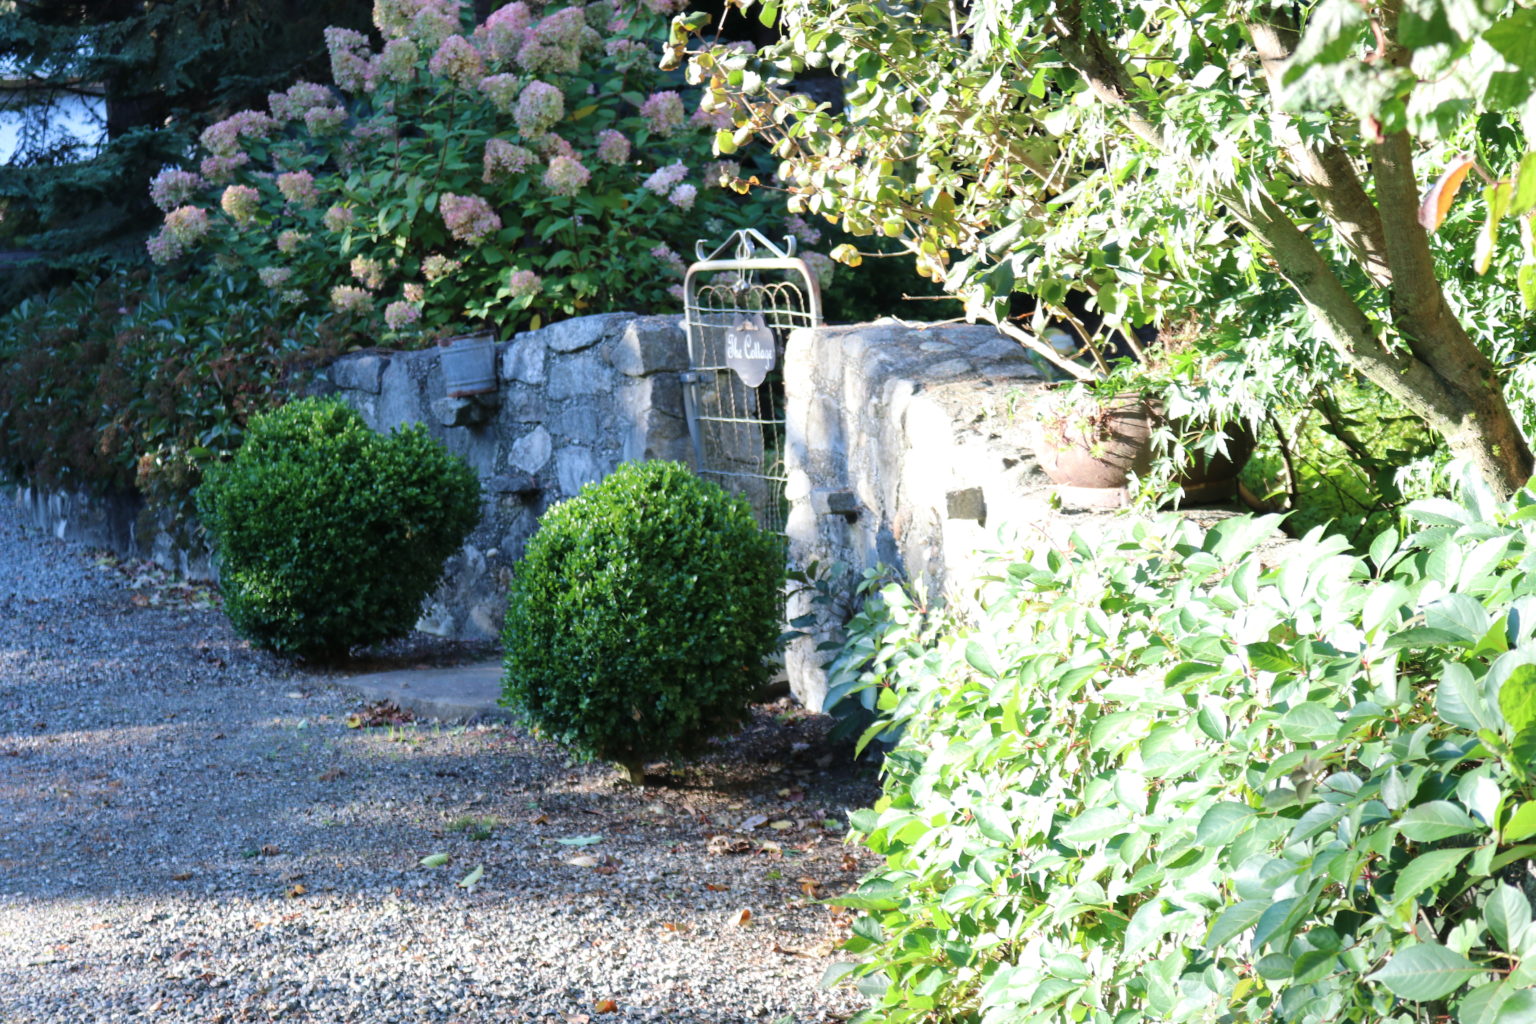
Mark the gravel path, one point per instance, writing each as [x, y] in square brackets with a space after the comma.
[190, 831]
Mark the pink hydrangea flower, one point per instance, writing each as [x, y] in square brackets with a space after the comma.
[683, 196]
[663, 111]
[722, 172]
[369, 273]
[187, 224]
[664, 179]
[468, 218]
[503, 32]
[324, 120]
[612, 147]
[429, 22]
[554, 44]
[676, 291]
[351, 67]
[524, 284]
[668, 257]
[802, 229]
[458, 61]
[220, 169]
[274, 278]
[666, 8]
[553, 145]
[347, 298]
[414, 291]
[298, 187]
[502, 160]
[300, 97]
[242, 203]
[502, 91]
[566, 176]
[172, 188]
[396, 62]
[400, 315]
[289, 241]
[338, 219]
[223, 138]
[539, 108]
[437, 266]
[627, 53]
[163, 247]
[714, 120]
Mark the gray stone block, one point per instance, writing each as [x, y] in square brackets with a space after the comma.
[471, 411]
[574, 466]
[523, 359]
[359, 373]
[524, 404]
[531, 452]
[579, 333]
[582, 423]
[970, 503]
[520, 484]
[579, 373]
[652, 344]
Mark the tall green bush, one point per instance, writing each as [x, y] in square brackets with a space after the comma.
[1168, 775]
[329, 535]
[641, 616]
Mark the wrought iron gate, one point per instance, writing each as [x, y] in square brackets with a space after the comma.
[740, 310]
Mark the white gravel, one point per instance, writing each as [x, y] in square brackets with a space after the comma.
[189, 831]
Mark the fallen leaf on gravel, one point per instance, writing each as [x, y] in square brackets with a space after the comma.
[270, 851]
[472, 879]
[331, 774]
[725, 844]
[380, 712]
[434, 860]
[743, 918]
[809, 886]
[791, 952]
[579, 840]
[781, 824]
[181, 876]
[712, 887]
[752, 822]
[542, 819]
[582, 860]
[605, 1006]
[674, 926]
[769, 846]
[297, 890]
[850, 862]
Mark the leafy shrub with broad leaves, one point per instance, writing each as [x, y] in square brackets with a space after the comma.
[329, 535]
[1172, 775]
[135, 382]
[641, 616]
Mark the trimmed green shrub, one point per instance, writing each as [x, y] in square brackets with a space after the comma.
[641, 616]
[1165, 777]
[329, 535]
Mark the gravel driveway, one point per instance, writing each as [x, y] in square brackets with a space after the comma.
[190, 831]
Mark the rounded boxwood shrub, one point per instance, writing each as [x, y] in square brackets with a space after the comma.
[641, 616]
[329, 535]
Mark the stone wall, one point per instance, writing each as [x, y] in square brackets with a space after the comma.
[120, 523]
[575, 399]
[908, 447]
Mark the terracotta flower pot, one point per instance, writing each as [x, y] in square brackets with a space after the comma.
[1091, 451]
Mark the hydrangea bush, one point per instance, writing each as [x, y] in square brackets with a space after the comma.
[531, 167]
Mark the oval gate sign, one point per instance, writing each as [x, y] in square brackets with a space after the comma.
[750, 350]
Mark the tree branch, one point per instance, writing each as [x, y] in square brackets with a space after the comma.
[1327, 170]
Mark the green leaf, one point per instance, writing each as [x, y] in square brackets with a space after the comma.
[1310, 722]
[579, 840]
[1425, 972]
[1222, 823]
[434, 860]
[1521, 824]
[1146, 926]
[1525, 186]
[1507, 913]
[1459, 699]
[1436, 820]
[994, 823]
[1092, 826]
[1425, 871]
[1233, 921]
[1517, 699]
[978, 658]
[472, 879]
